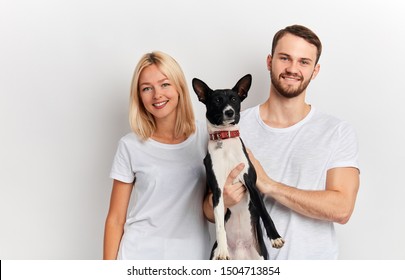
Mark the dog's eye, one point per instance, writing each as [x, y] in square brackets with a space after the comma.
[218, 100]
[233, 99]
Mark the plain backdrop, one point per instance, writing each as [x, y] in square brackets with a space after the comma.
[65, 73]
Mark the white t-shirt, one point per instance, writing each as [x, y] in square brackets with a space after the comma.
[300, 156]
[165, 217]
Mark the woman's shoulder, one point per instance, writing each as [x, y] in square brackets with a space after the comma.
[130, 139]
[201, 126]
[201, 133]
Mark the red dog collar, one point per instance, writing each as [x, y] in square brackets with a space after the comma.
[221, 135]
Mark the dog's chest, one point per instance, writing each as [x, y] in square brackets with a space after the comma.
[225, 159]
[227, 156]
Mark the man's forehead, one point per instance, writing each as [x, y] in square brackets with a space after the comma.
[295, 46]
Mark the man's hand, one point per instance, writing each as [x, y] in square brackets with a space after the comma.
[233, 192]
[262, 177]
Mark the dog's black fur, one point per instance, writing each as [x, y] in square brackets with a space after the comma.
[223, 114]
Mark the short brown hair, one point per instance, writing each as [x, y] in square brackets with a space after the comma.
[141, 121]
[302, 32]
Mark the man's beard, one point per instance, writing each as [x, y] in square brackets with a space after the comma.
[289, 91]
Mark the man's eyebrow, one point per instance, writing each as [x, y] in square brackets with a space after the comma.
[306, 58]
[301, 58]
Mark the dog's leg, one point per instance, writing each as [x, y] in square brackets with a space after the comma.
[227, 216]
[250, 183]
[221, 250]
[275, 238]
[257, 232]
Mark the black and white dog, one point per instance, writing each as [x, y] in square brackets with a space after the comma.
[238, 231]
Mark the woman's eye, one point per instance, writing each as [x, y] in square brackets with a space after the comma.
[145, 89]
[165, 84]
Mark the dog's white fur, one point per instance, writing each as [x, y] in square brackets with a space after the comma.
[240, 236]
[239, 227]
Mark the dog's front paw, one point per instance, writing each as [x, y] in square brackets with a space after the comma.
[277, 243]
[220, 255]
[222, 258]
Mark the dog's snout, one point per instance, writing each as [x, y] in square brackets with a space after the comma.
[229, 113]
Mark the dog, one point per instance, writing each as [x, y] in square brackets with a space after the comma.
[238, 231]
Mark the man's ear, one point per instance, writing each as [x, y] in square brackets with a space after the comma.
[316, 71]
[269, 60]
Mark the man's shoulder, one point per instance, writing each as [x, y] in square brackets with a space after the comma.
[326, 122]
[249, 112]
[248, 117]
[328, 118]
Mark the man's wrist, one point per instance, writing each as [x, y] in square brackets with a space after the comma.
[267, 186]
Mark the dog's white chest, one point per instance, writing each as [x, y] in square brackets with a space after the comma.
[226, 157]
[240, 243]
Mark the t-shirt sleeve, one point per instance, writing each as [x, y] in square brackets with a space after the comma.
[346, 150]
[122, 168]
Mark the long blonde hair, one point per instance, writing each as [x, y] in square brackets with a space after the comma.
[141, 121]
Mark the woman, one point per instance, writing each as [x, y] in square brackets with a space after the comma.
[159, 178]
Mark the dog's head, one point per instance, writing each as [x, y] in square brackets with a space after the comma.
[223, 105]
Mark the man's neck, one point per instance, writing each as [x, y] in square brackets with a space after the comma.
[279, 112]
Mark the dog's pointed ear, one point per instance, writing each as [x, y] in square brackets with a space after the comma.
[201, 89]
[242, 86]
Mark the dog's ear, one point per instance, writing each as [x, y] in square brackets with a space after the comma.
[201, 89]
[242, 86]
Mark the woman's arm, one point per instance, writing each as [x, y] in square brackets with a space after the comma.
[114, 225]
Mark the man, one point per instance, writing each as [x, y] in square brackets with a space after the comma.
[306, 161]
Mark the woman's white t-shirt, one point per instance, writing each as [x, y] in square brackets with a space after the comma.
[165, 217]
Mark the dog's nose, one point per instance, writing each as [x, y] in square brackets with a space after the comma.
[229, 113]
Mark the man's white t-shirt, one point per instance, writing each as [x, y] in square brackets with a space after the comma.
[300, 156]
[165, 217]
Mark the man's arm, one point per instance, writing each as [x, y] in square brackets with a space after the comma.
[335, 203]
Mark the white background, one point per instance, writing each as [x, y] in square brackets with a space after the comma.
[65, 73]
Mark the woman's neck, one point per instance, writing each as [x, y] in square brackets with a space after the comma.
[165, 133]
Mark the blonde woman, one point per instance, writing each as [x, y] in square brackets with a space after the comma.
[158, 174]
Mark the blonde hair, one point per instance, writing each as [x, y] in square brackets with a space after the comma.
[141, 121]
